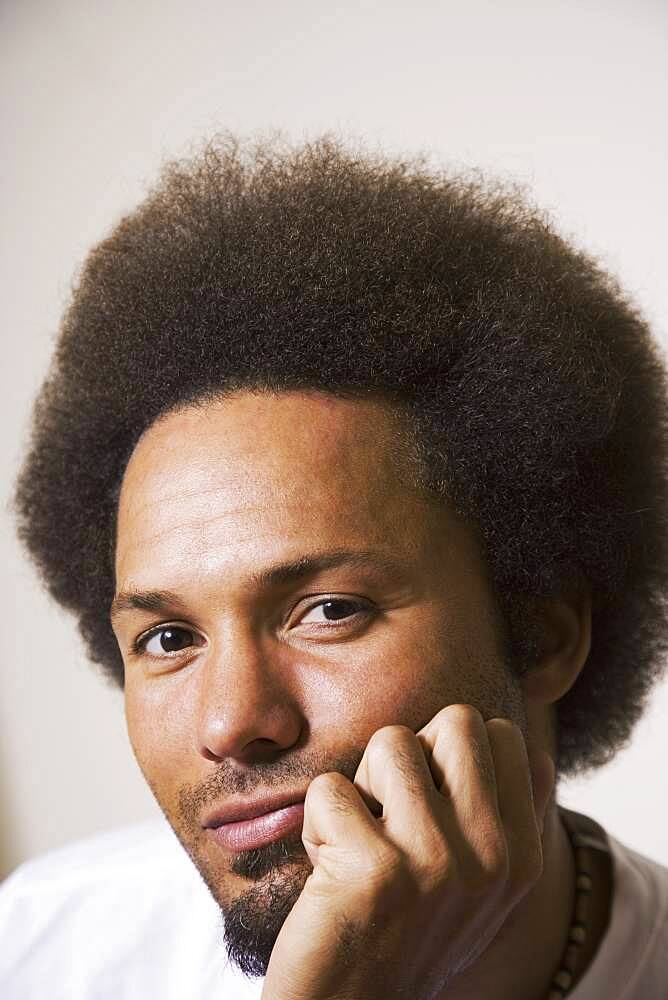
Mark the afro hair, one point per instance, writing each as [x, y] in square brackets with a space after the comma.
[534, 389]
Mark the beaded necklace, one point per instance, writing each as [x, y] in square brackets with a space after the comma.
[584, 834]
[577, 935]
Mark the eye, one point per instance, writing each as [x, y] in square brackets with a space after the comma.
[166, 639]
[333, 611]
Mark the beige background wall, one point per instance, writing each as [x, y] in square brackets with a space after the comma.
[568, 96]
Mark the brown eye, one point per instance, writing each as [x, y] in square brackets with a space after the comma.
[169, 639]
[334, 610]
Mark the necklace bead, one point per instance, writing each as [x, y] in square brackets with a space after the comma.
[577, 933]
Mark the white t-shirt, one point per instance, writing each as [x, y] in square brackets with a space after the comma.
[125, 916]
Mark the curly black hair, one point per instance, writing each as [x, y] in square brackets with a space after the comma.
[533, 388]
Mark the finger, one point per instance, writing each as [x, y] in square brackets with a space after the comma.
[338, 828]
[457, 746]
[524, 780]
[394, 773]
[543, 775]
[521, 814]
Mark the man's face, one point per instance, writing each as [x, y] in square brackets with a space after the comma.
[265, 680]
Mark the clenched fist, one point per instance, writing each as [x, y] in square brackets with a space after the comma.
[400, 903]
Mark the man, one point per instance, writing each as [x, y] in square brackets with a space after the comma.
[354, 475]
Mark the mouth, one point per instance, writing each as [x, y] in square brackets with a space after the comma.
[234, 831]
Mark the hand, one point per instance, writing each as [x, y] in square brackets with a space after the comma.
[400, 905]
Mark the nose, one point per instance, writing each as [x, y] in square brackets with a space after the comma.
[246, 708]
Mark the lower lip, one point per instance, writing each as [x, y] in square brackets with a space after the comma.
[250, 833]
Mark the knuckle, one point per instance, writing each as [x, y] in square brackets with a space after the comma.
[503, 724]
[506, 731]
[463, 714]
[438, 871]
[492, 871]
[387, 858]
[332, 788]
[383, 865]
[498, 868]
[397, 746]
[390, 737]
[329, 780]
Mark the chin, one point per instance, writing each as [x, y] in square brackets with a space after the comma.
[253, 921]
[266, 883]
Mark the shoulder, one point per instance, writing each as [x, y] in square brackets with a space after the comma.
[641, 889]
[639, 923]
[118, 864]
[118, 914]
[94, 858]
[632, 960]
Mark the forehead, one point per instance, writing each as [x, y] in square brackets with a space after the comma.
[267, 470]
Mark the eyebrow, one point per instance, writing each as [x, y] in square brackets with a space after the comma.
[279, 575]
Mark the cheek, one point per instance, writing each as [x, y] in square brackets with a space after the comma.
[405, 679]
[159, 738]
[416, 670]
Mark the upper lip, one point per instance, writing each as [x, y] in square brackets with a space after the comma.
[235, 812]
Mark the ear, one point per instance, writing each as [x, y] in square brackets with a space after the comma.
[563, 633]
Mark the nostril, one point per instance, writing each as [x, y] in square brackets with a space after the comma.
[256, 751]
[210, 755]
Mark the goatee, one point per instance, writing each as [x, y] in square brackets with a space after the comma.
[254, 920]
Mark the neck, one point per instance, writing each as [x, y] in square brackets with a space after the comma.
[520, 962]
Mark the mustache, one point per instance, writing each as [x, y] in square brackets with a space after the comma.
[290, 771]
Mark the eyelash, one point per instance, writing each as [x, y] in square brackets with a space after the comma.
[139, 644]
